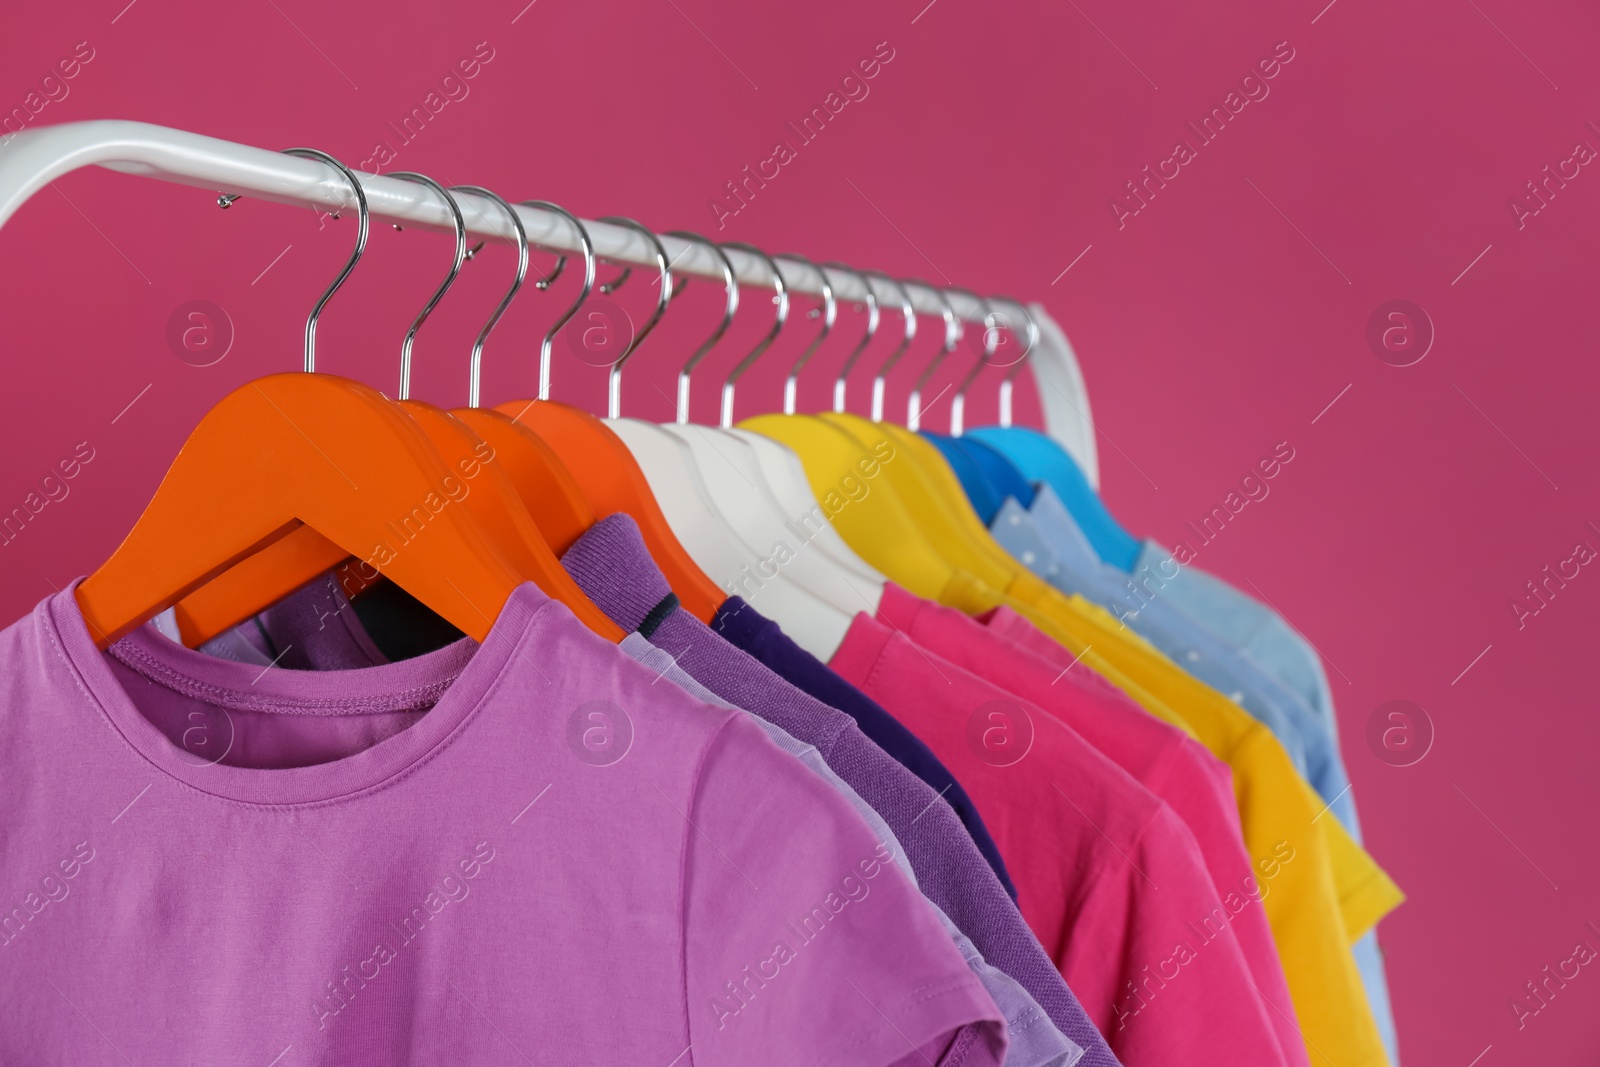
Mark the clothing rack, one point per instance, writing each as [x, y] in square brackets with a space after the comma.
[815, 730]
[33, 158]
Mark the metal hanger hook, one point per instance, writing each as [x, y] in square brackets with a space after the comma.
[781, 288]
[866, 338]
[952, 335]
[731, 284]
[355, 256]
[444, 287]
[910, 314]
[991, 344]
[474, 380]
[830, 314]
[614, 377]
[1006, 383]
[549, 340]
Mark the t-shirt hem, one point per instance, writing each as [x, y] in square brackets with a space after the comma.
[922, 1016]
[1366, 904]
[1028, 1020]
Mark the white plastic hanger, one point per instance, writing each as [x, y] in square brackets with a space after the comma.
[661, 456]
[784, 475]
[691, 506]
[740, 491]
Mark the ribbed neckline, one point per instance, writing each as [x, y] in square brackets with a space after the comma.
[613, 566]
[453, 680]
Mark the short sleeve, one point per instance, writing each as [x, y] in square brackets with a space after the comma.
[803, 942]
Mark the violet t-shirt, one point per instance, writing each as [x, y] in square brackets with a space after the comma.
[765, 640]
[1033, 1039]
[518, 852]
[316, 626]
[612, 565]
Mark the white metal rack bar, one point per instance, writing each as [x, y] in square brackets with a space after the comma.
[31, 159]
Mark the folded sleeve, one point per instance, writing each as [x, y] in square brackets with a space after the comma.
[803, 943]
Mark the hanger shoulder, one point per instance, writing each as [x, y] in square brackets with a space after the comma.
[736, 481]
[256, 582]
[1043, 459]
[685, 501]
[786, 475]
[730, 486]
[293, 449]
[545, 486]
[484, 489]
[612, 481]
[750, 566]
[852, 480]
[930, 490]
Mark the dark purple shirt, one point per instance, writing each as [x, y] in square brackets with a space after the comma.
[762, 638]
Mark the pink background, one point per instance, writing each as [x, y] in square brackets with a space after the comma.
[1223, 318]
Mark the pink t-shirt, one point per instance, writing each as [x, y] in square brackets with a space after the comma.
[1108, 877]
[517, 852]
[1173, 766]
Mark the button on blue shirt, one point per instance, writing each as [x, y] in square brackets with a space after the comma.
[1252, 627]
[1044, 535]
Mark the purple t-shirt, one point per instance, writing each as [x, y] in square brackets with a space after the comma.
[317, 628]
[751, 631]
[612, 565]
[499, 854]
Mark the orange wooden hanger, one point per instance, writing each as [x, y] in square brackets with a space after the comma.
[485, 463]
[612, 481]
[541, 480]
[293, 449]
[600, 464]
[304, 553]
[257, 582]
[547, 488]
[488, 494]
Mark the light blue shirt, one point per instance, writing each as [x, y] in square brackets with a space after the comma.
[1043, 539]
[1252, 627]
